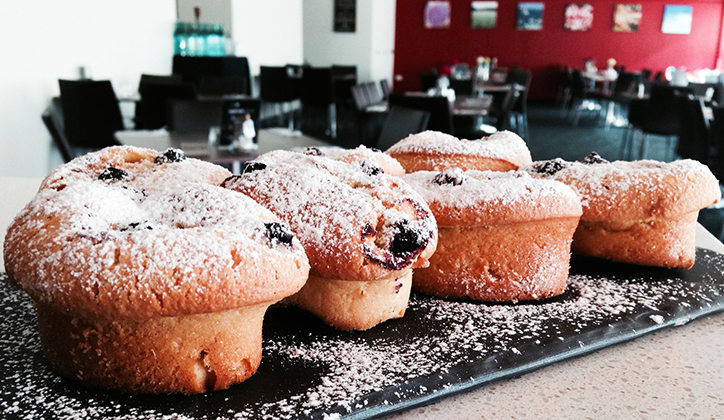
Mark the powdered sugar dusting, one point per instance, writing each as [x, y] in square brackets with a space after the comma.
[329, 203]
[672, 188]
[436, 347]
[489, 192]
[504, 145]
[141, 170]
[388, 164]
[141, 242]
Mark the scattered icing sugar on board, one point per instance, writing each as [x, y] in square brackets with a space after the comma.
[439, 347]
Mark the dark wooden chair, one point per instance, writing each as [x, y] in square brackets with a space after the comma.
[193, 68]
[695, 138]
[276, 91]
[386, 89]
[153, 109]
[374, 96]
[53, 119]
[194, 115]
[716, 159]
[438, 107]
[462, 87]
[657, 115]
[345, 76]
[519, 111]
[223, 85]
[427, 81]
[318, 99]
[400, 123]
[369, 117]
[172, 79]
[91, 113]
[583, 95]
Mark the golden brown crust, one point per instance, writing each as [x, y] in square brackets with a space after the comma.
[661, 242]
[146, 277]
[435, 151]
[413, 162]
[502, 263]
[188, 354]
[388, 165]
[348, 220]
[641, 212]
[355, 305]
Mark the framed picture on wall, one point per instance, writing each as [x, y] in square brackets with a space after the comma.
[437, 14]
[677, 19]
[530, 16]
[578, 17]
[345, 15]
[483, 14]
[626, 17]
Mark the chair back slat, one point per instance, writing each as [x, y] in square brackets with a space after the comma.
[400, 123]
[438, 107]
[91, 112]
[194, 115]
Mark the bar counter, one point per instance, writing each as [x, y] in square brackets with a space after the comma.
[674, 373]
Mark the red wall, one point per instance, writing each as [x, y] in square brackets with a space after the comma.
[417, 49]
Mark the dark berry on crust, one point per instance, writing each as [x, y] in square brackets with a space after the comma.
[368, 231]
[549, 167]
[407, 243]
[140, 225]
[279, 233]
[369, 168]
[450, 176]
[229, 181]
[407, 239]
[170, 156]
[252, 166]
[593, 158]
[112, 174]
[313, 151]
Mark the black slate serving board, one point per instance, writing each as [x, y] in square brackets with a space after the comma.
[439, 348]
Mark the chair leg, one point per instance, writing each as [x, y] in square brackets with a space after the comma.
[630, 143]
[670, 145]
[643, 146]
[624, 143]
[566, 98]
[609, 115]
[332, 120]
[576, 110]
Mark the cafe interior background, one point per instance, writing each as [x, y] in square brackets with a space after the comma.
[119, 40]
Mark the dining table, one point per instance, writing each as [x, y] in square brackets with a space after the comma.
[669, 368]
[476, 105]
[472, 105]
[204, 145]
[602, 78]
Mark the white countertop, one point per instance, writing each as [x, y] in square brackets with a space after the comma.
[674, 373]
